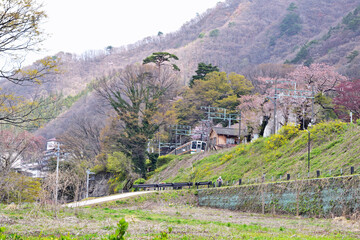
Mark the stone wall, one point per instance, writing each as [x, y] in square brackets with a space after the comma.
[326, 197]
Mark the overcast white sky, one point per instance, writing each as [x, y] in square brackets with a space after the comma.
[79, 25]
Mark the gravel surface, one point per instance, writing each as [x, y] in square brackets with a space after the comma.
[104, 199]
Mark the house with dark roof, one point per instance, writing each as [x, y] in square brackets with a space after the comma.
[223, 137]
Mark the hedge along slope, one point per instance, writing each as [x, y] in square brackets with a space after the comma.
[334, 146]
[327, 197]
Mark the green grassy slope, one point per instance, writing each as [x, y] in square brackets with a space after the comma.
[334, 146]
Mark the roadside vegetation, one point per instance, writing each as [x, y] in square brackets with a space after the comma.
[164, 215]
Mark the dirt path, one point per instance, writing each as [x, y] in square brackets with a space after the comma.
[104, 199]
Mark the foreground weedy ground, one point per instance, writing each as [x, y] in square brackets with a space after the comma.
[150, 215]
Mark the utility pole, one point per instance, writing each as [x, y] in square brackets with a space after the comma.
[303, 120]
[57, 172]
[181, 130]
[312, 103]
[176, 139]
[294, 93]
[275, 97]
[239, 126]
[87, 182]
[159, 148]
[308, 151]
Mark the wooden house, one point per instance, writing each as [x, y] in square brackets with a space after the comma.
[223, 137]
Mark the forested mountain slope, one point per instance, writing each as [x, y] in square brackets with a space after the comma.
[236, 36]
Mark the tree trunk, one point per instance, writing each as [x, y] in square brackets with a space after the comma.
[264, 123]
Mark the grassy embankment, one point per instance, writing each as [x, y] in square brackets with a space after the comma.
[334, 146]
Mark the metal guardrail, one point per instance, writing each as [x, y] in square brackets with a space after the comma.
[158, 186]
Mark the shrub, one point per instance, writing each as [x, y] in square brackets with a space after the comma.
[98, 169]
[225, 158]
[116, 161]
[289, 131]
[358, 122]
[122, 226]
[275, 141]
[201, 35]
[20, 188]
[240, 150]
[162, 160]
[352, 55]
[214, 33]
[200, 173]
[326, 130]
[121, 166]
[139, 181]
[231, 24]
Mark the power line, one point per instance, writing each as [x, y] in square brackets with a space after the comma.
[294, 93]
[221, 114]
[180, 130]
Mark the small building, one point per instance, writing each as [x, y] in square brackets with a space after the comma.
[51, 144]
[223, 137]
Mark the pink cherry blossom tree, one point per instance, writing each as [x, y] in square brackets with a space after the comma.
[348, 99]
[255, 113]
[16, 146]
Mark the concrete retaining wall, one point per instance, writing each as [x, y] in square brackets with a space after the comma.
[327, 197]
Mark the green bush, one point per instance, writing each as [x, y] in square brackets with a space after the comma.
[231, 24]
[214, 33]
[201, 35]
[98, 169]
[121, 166]
[122, 226]
[289, 131]
[352, 55]
[358, 122]
[162, 160]
[325, 130]
[139, 181]
[20, 188]
[275, 141]
[116, 161]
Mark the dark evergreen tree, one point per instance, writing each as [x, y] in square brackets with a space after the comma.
[162, 58]
[201, 72]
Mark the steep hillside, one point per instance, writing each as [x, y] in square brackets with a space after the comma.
[334, 146]
[233, 35]
[236, 35]
[254, 34]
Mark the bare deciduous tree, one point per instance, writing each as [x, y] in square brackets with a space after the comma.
[136, 94]
[16, 147]
[20, 33]
[82, 139]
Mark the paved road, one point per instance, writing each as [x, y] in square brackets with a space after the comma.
[104, 199]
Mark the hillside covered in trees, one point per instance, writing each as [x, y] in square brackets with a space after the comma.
[236, 36]
[272, 62]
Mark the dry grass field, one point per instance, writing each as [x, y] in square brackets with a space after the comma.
[167, 215]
